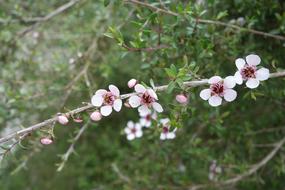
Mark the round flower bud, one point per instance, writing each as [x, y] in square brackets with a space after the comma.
[96, 116]
[62, 119]
[182, 98]
[46, 141]
[78, 120]
[132, 83]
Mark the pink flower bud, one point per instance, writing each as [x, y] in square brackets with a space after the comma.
[46, 141]
[96, 116]
[78, 120]
[182, 98]
[62, 119]
[132, 83]
[126, 104]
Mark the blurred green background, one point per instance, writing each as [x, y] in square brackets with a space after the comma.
[42, 73]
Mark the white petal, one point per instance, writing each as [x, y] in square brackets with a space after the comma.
[145, 114]
[252, 83]
[164, 121]
[240, 63]
[152, 93]
[117, 105]
[106, 110]
[140, 88]
[127, 130]
[134, 101]
[170, 135]
[162, 136]
[139, 133]
[97, 100]
[214, 79]
[147, 124]
[130, 124]
[230, 95]
[130, 136]
[205, 94]
[143, 121]
[143, 109]
[115, 91]
[238, 78]
[215, 101]
[253, 59]
[229, 82]
[101, 92]
[262, 74]
[157, 107]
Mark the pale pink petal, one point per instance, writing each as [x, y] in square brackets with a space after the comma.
[230, 95]
[253, 59]
[214, 79]
[132, 83]
[106, 110]
[143, 109]
[252, 83]
[134, 101]
[157, 107]
[130, 124]
[240, 63]
[164, 121]
[143, 121]
[205, 94]
[162, 136]
[262, 74]
[131, 136]
[170, 135]
[215, 101]
[139, 133]
[152, 93]
[147, 124]
[145, 114]
[117, 105]
[140, 88]
[127, 130]
[101, 92]
[97, 100]
[238, 78]
[115, 91]
[229, 82]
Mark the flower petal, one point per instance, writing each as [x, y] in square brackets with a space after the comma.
[162, 136]
[106, 110]
[131, 136]
[115, 91]
[101, 92]
[143, 109]
[170, 135]
[134, 101]
[140, 88]
[130, 124]
[252, 83]
[230, 95]
[127, 130]
[214, 79]
[117, 105]
[215, 101]
[97, 100]
[253, 59]
[229, 82]
[139, 133]
[164, 121]
[238, 78]
[145, 114]
[205, 94]
[240, 63]
[262, 74]
[152, 93]
[157, 107]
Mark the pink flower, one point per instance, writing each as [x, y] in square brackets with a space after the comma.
[166, 133]
[182, 98]
[96, 116]
[219, 88]
[108, 100]
[132, 83]
[145, 99]
[46, 141]
[247, 71]
[146, 118]
[62, 119]
[133, 130]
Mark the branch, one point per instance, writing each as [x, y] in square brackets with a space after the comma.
[204, 21]
[147, 49]
[89, 106]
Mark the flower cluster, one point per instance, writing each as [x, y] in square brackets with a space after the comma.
[223, 88]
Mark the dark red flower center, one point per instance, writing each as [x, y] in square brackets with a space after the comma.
[217, 89]
[147, 99]
[148, 117]
[109, 98]
[165, 130]
[133, 130]
[248, 72]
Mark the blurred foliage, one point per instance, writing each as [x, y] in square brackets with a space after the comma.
[38, 72]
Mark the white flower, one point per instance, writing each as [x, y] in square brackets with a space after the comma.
[133, 130]
[247, 71]
[214, 170]
[146, 118]
[219, 88]
[108, 100]
[145, 99]
[166, 134]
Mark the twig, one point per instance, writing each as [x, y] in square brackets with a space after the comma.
[123, 96]
[205, 21]
[266, 130]
[147, 49]
[119, 173]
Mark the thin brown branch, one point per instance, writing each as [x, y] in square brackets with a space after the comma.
[205, 21]
[89, 106]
